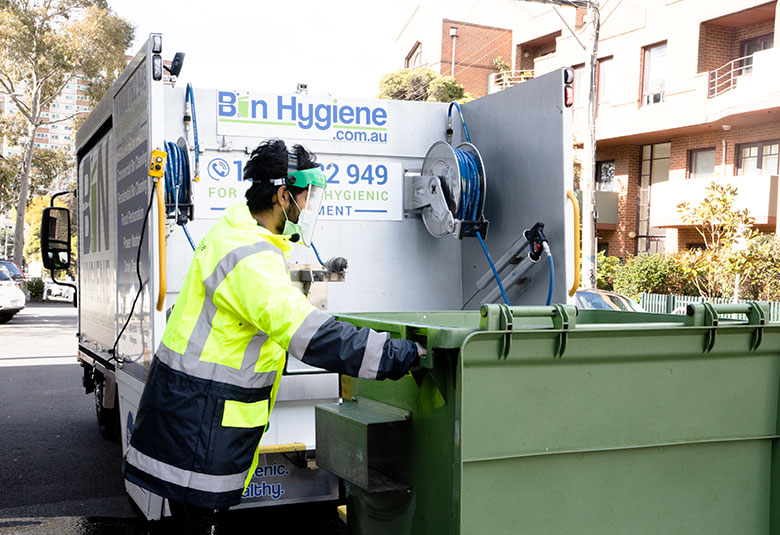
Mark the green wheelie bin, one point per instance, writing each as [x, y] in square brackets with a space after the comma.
[549, 420]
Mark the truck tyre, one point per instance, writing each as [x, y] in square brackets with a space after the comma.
[107, 419]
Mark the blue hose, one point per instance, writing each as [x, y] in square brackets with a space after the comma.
[462, 120]
[470, 191]
[493, 267]
[189, 96]
[317, 254]
[177, 185]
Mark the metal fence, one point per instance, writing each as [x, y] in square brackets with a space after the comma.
[666, 304]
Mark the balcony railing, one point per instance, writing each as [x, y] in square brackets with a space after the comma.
[501, 80]
[724, 78]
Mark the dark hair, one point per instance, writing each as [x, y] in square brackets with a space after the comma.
[269, 162]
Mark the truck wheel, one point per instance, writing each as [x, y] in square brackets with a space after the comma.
[108, 419]
[5, 318]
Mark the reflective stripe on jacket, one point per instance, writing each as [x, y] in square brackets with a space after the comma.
[213, 381]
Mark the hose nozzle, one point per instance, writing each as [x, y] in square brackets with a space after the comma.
[537, 240]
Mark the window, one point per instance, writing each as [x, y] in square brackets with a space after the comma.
[414, 59]
[758, 158]
[750, 47]
[654, 169]
[605, 176]
[701, 163]
[606, 83]
[654, 74]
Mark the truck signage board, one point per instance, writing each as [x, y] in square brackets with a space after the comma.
[131, 120]
[97, 245]
[360, 188]
[245, 113]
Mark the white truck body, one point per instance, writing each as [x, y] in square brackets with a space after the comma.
[370, 151]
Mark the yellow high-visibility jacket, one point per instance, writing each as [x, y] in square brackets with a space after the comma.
[214, 378]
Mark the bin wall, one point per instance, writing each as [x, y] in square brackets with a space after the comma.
[634, 430]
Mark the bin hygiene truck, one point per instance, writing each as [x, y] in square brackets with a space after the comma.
[418, 195]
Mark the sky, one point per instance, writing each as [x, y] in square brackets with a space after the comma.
[338, 47]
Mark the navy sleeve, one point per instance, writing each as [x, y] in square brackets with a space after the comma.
[338, 346]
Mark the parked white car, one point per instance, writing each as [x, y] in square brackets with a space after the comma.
[57, 292]
[12, 299]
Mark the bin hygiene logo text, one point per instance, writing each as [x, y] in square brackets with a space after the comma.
[316, 120]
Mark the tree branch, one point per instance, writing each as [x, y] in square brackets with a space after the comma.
[76, 114]
[54, 95]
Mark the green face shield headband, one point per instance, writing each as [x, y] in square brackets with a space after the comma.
[303, 179]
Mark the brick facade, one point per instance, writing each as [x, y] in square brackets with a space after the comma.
[678, 166]
[627, 174]
[475, 48]
[525, 56]
[627, 162]
[716, 47]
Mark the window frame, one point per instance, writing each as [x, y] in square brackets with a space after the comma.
[415, 51]
[760, 155]
[600, 87]
[597, 182]
[691, 155]
[648, 94]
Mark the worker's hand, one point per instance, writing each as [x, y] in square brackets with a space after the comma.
[421, 352]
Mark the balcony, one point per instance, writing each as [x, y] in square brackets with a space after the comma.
[501, 80]
[745, 84]
[757, 193]
[691, 104]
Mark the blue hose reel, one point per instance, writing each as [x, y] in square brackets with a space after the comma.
[453, 180]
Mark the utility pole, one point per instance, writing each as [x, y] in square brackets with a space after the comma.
[588, 179]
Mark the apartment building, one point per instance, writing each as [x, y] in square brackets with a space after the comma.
[688, 92]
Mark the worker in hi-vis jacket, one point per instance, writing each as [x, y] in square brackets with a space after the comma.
[214, 378]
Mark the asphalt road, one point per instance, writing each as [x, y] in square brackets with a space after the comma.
[57, 474]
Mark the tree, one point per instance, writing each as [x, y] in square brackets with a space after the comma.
[48, 171]
[723, 229]
[32, 246]
[421, 84]
[504, 69]
[44, 45]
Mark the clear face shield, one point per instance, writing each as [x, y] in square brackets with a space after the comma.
[308, 218]
[315, 181]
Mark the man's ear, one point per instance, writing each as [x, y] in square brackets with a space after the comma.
[280, 194]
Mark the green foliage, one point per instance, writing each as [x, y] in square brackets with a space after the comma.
[608, 267]
[650, 273]
[49, 169]
[500, 65]
[760, 276]
[421, 85]
[725, 231]
[36, 288]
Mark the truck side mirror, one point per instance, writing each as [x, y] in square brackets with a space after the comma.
[55, 238]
